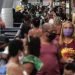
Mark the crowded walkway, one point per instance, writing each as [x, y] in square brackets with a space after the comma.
[41, 42]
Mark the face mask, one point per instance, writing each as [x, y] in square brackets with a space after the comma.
[44, 14]
[37, 14]
[20, 58]
[67, 32]
[51, 36]
[51, 21]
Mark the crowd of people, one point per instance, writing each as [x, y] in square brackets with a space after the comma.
[46, 45]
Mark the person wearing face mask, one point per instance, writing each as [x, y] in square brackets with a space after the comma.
[52, 16]
[48, 52]
[37, 14]
[67, 43]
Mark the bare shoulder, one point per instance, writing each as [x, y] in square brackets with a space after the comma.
[31, 30]
[18, 70]
[40, 29]
[14, 69]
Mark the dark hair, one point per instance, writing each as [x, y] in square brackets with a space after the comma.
[34, 71]
[24, 30]
[34, 46]
[14, 47]
[36, 22]
[4, 39]
[70, 66]
[27, 17]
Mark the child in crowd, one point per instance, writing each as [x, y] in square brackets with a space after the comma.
[69, 69]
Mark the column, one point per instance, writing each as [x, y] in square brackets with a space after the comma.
[7, 13]
[1, 2]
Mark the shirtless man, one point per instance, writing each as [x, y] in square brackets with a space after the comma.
[15, 52]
